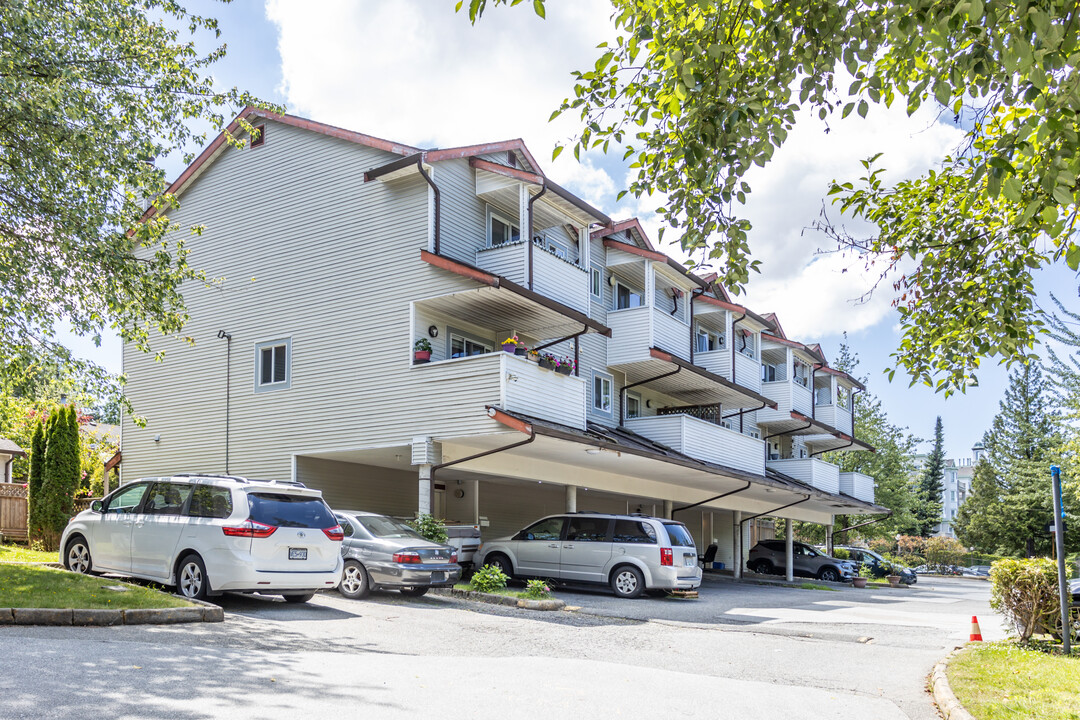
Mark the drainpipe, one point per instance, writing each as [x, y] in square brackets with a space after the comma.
[813, 389]
[786, 432]
[853, 391]
[228, 389]
[712, 499]
[7, 469]
[477, 456]
[573, 337]
[622, 392]
[770, 512]
[743, 412]
[693, 340]
[528, 238]
[733, 324]
[438, 203]
[834, 449]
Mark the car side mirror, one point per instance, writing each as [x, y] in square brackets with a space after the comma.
[97, 506]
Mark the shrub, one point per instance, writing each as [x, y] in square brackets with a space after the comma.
[911, 545]
[1026, 593]
[841, 554]
[944, 551]
[489, 579]
[430, 528]
[537, 589]
[882, 545]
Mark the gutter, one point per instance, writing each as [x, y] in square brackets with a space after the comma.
[712, 499]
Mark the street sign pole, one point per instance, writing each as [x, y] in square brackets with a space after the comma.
[1059, 543]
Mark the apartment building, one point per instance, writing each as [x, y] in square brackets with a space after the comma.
[336, 252]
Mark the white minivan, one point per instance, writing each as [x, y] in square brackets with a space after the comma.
[208, 534]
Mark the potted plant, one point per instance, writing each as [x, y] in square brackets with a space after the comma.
[865, 573]
[510, 344]
[421, 351]
[892, 577]
[564, 366]
[547, 361]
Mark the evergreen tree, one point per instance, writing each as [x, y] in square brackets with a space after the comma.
[1010, 507]
[931, 484]
[33, 483]
[61, 473]
[1065, 377]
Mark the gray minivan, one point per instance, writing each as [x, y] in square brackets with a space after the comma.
[630, 553]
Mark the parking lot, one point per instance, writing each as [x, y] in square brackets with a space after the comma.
[740, 650]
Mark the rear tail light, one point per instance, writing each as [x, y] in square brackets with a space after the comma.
[407, 558]
[250, 528]
[453, 558]
[335, 533]
[666, 557]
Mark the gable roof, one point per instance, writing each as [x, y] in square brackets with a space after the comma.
[630, 228]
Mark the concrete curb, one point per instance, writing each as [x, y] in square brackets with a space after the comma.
[493, 599]
[203, 612]
[950, 707]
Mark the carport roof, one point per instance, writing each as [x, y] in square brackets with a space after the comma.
[623, 440]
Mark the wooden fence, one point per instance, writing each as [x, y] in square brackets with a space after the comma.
[13, 511]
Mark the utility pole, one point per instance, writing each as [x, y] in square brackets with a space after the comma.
[1059, 543]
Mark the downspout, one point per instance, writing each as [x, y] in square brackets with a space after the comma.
[477, 456]
[864, 524]
[733, 324]
[853, 391]
[786, 432]
[834, 449]
[743, 412]
[622, 392]
[573, 337]
[438, 203]
[813, 389]
[770, 512]
[528, 238]
[228, 389]
[7, 469]
[712, 499]
[693, 340]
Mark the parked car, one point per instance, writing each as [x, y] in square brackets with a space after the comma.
[1074, 590]
[629, 553]
[977, 571]
[207, 534]
[769, 557]
[381, 552]
[879, 565]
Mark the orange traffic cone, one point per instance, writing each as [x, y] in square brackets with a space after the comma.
[976, 633]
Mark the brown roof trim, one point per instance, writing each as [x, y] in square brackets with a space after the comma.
[795, 345]
[509, 420]
[468, 151]
[657, 257]
[497, 281]
[806, 418]
[718, 379]
[576, 201]
[619, 226]
[735, 308]
[522, 175]
[399, 164]
[114, 461]
[842, 374]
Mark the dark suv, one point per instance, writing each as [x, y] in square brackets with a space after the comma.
[769, 557]
[879, 565]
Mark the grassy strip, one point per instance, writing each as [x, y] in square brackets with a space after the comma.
[21, 553]
[520, 594]
[1003, 681]
[30, 586]
[815, 586]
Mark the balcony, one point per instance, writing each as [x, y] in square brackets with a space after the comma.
[857, 485]
[506, 381]
[817, 473]
[788, 396]
[553, 277]
[636, 330]
[703, 440]
[836, 416]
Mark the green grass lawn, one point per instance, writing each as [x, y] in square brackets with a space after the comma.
[815, 586]
[1001, 681]
[21, 553]
[33, 586]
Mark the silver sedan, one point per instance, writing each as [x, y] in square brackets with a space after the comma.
[381, 552]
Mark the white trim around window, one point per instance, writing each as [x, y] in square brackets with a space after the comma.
[602, 390]
[513, 227]
[633, 405]
[596, 282]
[273, 365]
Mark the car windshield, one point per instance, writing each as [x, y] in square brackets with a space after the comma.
[281, 510]
[384, 527]
[679, 535]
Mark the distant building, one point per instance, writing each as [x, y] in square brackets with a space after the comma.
[956, 487]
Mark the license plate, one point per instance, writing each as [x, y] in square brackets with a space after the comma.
[689, 560]
[438, 577]
[298, 553]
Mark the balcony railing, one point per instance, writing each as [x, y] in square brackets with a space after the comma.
[857, 485]
[716, 361]
[818, 473]
[508, 381]
[840, 418]
[703, 440]
[635, 330]
[553, 277]
[747, 371]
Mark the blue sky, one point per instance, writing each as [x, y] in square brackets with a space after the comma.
[416, 72]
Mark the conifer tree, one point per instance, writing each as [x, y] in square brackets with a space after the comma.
[61, 473]
[931, 485]
[33, 483]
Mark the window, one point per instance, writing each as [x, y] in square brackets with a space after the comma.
[259, 137]
[166, 499]
[126, 501]
[346, 526]
[633, 405]
[464, 347]
[771, 373]
[210, 502]
[823, 396]
[272, 361]
[842, 395]
[557, 249]
[602, 392]
[388, 528]
[625, 297]
[549, 529]
[679, 535]
[746, 343]
[587, 529]
[707, 340]
[501, 230]
[596, 283]
[297, 511]
[801, 373]
[634, 531]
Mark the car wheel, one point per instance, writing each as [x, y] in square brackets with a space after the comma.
[762, 567]
[191, 580]
[828, 574]
[77, 557]
[627, 582]
[297, 599]
[414, 591]
[355, 583]
[501, 562]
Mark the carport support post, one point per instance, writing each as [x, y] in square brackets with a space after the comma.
[736, 537]
[828, 539]
[789, 549]
[571, 498]
[668, 507]
[424, 490]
